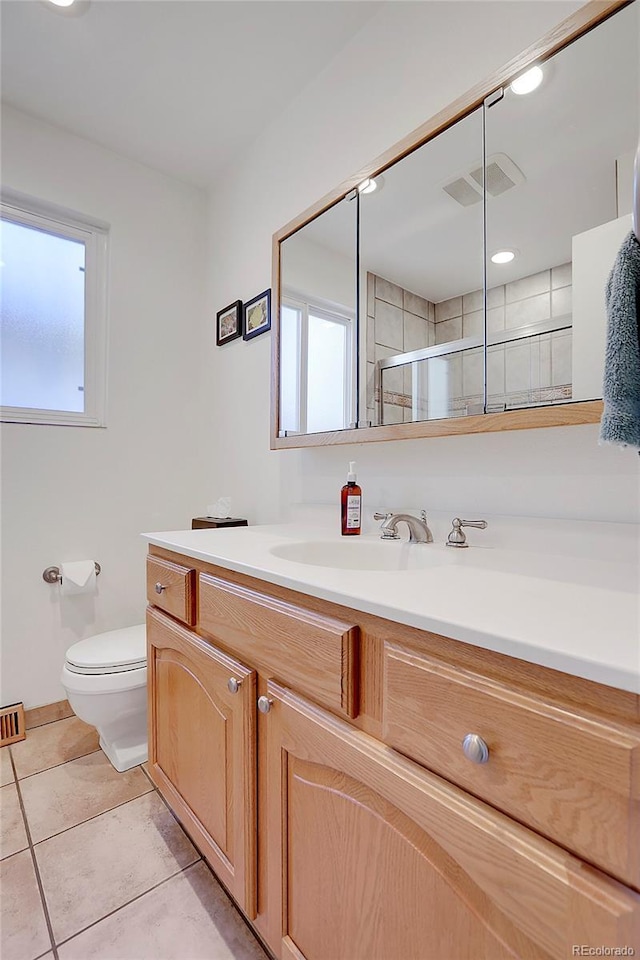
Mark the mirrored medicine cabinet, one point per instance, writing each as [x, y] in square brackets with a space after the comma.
[457, 285]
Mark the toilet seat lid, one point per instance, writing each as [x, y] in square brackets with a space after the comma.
[111, 652]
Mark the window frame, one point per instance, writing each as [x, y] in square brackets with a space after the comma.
[335, 313]
[49, 218]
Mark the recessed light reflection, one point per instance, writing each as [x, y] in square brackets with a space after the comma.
[367, 186]
[503, 256]
[528, 82]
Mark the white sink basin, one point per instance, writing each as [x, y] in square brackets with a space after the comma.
[352, 554]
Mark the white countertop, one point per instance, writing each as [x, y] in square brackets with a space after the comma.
[577, 613]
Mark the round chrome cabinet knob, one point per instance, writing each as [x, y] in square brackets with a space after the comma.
[264, 704]
[233, 685]
[160, 587]
[475, 749]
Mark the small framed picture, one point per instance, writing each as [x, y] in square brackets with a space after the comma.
[229, 323]
[257, 315]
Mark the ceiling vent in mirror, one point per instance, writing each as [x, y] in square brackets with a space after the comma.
[464, 192]
[502, 175]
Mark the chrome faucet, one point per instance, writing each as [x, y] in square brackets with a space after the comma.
[418, 530]
[457, 537]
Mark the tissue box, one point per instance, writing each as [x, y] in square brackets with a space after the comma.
[200, 523]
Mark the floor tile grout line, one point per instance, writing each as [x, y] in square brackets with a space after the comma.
[148, 775]
[153, 789]
[173, 814]
[36, 868]
[48, 723]
[198, 859]
[94, 817]
[54, 766]
[210, 869]
[7, 747]
[235, 906]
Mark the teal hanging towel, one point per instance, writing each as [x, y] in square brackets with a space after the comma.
[620, 423]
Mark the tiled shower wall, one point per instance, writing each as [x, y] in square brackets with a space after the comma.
[527, 371]
[398, 321]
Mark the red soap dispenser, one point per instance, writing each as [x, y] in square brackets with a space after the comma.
[351, 504]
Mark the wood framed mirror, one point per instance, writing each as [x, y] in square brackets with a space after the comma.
[456, 284]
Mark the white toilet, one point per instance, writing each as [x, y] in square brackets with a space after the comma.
[105, 677]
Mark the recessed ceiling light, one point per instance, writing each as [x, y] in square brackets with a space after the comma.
[367, 186]
[62, 3]
[503, 256]
[528, 82]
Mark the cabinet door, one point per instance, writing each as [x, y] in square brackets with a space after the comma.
[373, 858]
[202, 748]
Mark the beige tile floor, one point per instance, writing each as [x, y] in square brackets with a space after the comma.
[93, 865]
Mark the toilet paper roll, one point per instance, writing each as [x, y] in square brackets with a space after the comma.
[78, 577]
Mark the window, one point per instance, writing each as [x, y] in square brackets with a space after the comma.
[53, 289]
[316, 343]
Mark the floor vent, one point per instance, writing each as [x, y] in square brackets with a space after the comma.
[12, 724]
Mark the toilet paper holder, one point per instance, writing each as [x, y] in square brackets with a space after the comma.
[53, 575]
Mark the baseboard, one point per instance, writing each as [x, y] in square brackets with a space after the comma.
[38, 716]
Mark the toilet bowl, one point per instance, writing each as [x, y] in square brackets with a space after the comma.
[105, 677]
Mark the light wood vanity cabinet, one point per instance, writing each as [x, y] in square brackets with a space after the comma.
[376, 838]
[380, 859]
[571, 777]
[316, 653]
[171, 586]
[202, 748]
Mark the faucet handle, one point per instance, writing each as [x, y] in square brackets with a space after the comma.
[386, 533]
[457, 537]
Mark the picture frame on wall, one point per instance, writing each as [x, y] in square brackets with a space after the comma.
[257, 315]
[229, 323]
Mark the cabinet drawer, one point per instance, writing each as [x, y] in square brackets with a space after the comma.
[172, 587]
[574, 778]
[313, 653]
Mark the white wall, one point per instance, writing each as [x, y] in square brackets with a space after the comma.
[314, 270]
[71, 493]
[624, 183]
[406, 64]
[593, 254]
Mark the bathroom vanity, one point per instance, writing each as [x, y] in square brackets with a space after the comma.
[370, 783]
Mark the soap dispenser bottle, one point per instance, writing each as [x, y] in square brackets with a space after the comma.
[351, 504]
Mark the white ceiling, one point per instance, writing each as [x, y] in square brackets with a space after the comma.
[181, 85]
